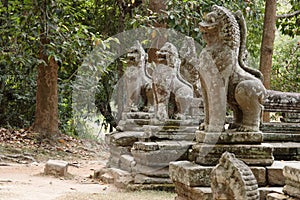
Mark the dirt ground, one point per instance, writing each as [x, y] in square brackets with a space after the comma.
[22, 163]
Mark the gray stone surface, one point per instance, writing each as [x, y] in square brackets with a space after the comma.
[143, 179]
[123, 138]
[275, 172]
[260, 174]
[285, 150]
[127, 162]
[206, 154]
[229, 137]
[185, 192]
[276, 196]
[291, 173]
[190, 174]
[264, 191]
[56, 168]
[233, 179]
[277, 101]
[153, 171]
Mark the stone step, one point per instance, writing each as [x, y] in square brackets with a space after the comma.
[229, 137]
[159, 154]
[280, 127]
[137, 115]
[285, 150]
[253, 155]
[281, 137]
[169, 132]
[275, 172]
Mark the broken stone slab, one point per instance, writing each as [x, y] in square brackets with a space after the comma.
[56, 168]
[127, 162]
[276, 196]
[229, 137]
[121, 178]
[208, 154]
[159, 158]
[115, 153]
[291, 173]
[275, 172]
[159, 154]
[185, 192]
[143, 179]
[190, 174]
[264, 191]
[123, 138]
[153, 171]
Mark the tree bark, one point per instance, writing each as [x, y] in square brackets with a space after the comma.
[157, 6]
[267, 45]
[46, 114]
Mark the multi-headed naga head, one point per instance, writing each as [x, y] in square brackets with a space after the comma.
[168, 55]
[136, 55]
[221, 23]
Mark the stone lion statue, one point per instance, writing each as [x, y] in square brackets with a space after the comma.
[224, 75]
[168, 83]
[138, 83]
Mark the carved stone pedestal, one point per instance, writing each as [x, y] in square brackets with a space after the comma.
[245, 145]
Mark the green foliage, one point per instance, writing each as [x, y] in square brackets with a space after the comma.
[184, 16]
[21, 27]
[289, 25]
[286, 71]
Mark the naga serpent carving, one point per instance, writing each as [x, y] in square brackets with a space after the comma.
[138, 82]
[224, 75]
[167, 82]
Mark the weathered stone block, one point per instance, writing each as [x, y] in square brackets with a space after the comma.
[260, 174]
[208, 154]
[190, 174]
[276, 196]
[292, 174]
[185, 192]
[264, 191]
[127, 162]
[275, 173]
[154, 171]
[285, 150]
[56, 167]
[142, 179]
[123, 138]
[229, 137]
[159, 154]
[121, 178]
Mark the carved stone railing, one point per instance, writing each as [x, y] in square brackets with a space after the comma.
[282, 102]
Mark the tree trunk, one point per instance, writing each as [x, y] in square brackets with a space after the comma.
[267, 45]
[46, 113]
[157, 6]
